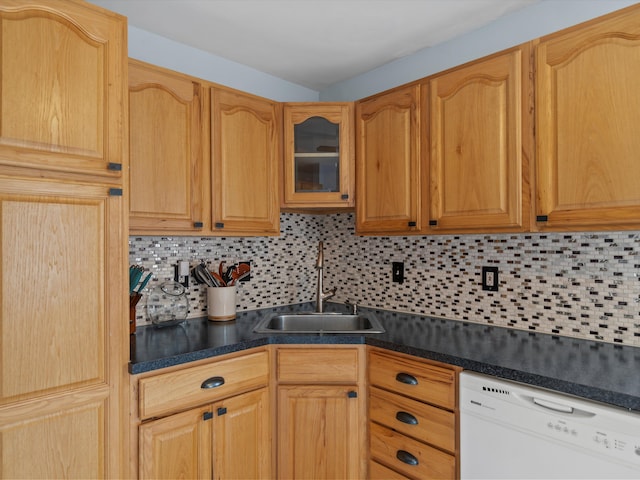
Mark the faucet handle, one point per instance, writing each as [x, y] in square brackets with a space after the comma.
[354, 307]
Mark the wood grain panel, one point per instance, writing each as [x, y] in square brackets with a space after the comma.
[242, 437]
[61, 87]
[27, 445]
[53, 256]
[246, 153]
[433, 384]
[433, 425]
[178, 446]
[431, 462]
[317, 365]
[175, 391]
[166, 142]
[388, 157]
[587, 113]
[318, 432]
[478, 159]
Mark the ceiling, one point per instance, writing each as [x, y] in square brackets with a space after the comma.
[313, 43]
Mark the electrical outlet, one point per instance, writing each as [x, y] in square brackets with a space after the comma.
[490, 279]
[398, 272]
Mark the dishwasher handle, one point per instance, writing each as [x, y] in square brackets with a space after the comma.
[556, 407]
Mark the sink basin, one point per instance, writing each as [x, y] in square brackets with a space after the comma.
[311, 322]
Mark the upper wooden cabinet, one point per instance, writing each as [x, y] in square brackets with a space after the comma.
[246, 149]
[388, 157]
[61, 100]
[166, 150]
[481, 137]
[587, 117]
[319, 156]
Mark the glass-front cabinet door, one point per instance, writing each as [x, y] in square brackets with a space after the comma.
[318, 156]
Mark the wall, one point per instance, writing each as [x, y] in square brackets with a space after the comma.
[166, 53]
[512, 29]
[581, 285]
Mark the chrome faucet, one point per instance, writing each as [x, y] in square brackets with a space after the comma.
[321, 295]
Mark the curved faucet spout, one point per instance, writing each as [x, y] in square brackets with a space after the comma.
[321, 295]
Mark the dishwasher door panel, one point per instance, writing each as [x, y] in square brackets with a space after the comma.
[510, 430]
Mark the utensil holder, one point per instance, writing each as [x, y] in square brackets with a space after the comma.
[134, 298]
[221, 303]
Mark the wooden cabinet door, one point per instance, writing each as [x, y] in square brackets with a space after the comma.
[330, 156]
[178, 446]
[388, 163]
[242, 437]
[62, 328]
[587, 117]
[166, 142]
[319, 432]
[246, 151]
[62, 87]
[480, 141]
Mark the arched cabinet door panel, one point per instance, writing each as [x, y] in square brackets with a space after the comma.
[246, 152]
[480, 145]
[587, 113]
[166, 150]
[63, 65]
[388, 163]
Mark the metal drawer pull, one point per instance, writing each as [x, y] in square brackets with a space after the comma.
[406, 457]
[213, 382]
[406, 378]
[407, 418]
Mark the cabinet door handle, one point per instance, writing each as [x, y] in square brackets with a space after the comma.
[212, 382]
[406, 379]
[406, 457]
[406, 417]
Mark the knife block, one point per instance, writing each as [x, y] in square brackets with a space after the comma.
[134, 298]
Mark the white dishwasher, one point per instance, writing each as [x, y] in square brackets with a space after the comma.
[516, 431]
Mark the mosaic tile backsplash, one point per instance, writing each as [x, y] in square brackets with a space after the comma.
[583, 285]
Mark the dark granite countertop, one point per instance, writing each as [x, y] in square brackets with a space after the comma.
[598, 371]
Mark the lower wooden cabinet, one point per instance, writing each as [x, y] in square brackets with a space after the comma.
[216, 418]
[230, 439]
[413, 417]
[321, 412]
[209, 420]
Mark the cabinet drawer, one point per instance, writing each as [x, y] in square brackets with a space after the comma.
[174, 391]
[380, 472]
[408, 456]
[318, 365]
[418, 420]
[415, 379]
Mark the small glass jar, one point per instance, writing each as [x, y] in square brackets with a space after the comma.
[167, 304]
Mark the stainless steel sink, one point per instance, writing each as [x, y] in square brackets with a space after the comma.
[311, 322]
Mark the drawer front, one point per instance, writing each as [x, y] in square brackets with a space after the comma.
[408, 456]
[378, 471]
[174, 391]
[415, 379]
[423, 422]
[317, 365]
